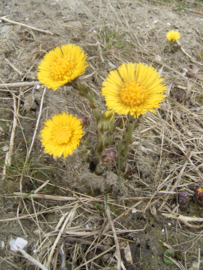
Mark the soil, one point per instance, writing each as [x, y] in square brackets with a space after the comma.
[165, 152]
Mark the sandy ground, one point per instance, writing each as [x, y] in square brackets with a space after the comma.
[166, 149]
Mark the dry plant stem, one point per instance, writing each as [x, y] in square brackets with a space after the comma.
[18, 84]
[187, 54]
[10, 151]
[50, 234]
[55, 259]
[63, 257]
[46, 197]
[31, 259]
[59, 236]
[86, 242]
[188, 154]
[127, 211]
[169, 68]
[100, 51]
[13, 67]
[96, 257]
[186, 220]
[24, 25]
[139, 198]
[37, 124]
[18, 219]
[199, 257]
[83, 233]
[48, 210]
[181, 267]
[115, 237]
[42, 186]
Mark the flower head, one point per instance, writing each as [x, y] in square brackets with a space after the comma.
[173, 35]
[61, 135]
[133, 88]
[108, 155]
[198, 194]
[183, 198]
[62, 65]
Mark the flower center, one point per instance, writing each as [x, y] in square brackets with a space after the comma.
[62, 135]
[132, 94]
[199, 191]
[61, 68]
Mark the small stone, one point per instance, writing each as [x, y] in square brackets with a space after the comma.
[5, 148]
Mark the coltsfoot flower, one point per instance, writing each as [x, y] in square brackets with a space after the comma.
[173, 35]
[62, 65]
[108, 156]
[133, 88]
[198, 194]
[61, 135]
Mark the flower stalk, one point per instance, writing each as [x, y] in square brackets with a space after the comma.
[105, 123]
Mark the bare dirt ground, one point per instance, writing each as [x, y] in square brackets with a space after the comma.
[67, 221]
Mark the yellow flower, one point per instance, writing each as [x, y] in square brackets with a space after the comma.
[61, 135]
[173, 35]
[62, 65]
[133, 88]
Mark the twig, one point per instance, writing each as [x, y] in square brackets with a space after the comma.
[59, 236]
[186, 220]
[127, 211]
[199, 258]
[188, 154]
[31, 259]
[48, 210]
[187, 54]
[63, 257]
[13, 67]
[37, 124]
[96, 257]
[86, 242]
[100, 51]
[9, 153]
[42, 186]
[115, 237]
[27, 26]
[138, 198]
[83, 233]
[166, 66]
[18, 84]
[195, 11]
[18, 219]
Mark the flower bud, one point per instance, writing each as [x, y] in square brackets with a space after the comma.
[84, 119]
[183, 198]
[108, 155]
[198, 194]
